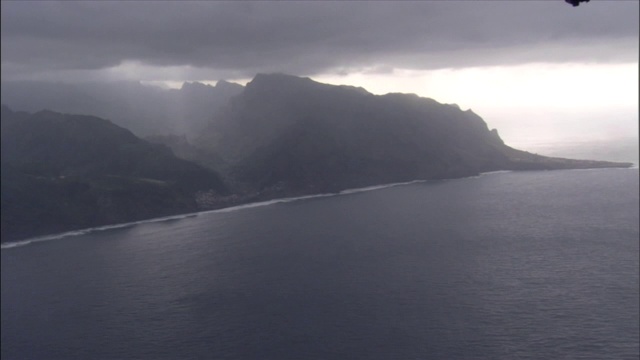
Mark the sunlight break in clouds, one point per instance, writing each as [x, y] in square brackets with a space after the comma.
[545, 101]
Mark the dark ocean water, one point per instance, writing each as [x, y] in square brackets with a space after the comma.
[528, 265]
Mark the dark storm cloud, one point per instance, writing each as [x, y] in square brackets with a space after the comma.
[242, 38]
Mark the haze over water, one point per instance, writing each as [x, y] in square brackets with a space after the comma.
[517, 265]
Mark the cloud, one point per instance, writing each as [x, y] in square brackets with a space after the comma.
[210, 40]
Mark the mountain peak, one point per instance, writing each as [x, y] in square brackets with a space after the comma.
[195, 85]
[278, 78]
[297, 86]
[228, 86]
[221, 85]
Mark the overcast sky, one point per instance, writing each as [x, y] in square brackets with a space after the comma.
[212, 40]
[469, 52]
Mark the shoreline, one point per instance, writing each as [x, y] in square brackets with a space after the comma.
[57, 236]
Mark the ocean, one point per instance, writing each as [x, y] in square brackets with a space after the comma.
[507, 265]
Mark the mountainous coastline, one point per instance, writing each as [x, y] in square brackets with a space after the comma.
[64, 172]
[279, 136]
[291, 135]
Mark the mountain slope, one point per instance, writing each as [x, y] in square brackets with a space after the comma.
[294, 135]
[62, 172]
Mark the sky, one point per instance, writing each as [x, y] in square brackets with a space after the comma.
[537, 71]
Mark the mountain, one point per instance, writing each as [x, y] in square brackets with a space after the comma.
[63, 172]
[194, 104]
[145, 110]
[184, 149]
[279, 136]
[285, 135]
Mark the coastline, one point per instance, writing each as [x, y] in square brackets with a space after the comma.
[44, 238]
[19, 243]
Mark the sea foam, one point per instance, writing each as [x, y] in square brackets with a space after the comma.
[15, 244]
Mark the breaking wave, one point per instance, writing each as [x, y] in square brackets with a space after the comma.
[15, 244]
